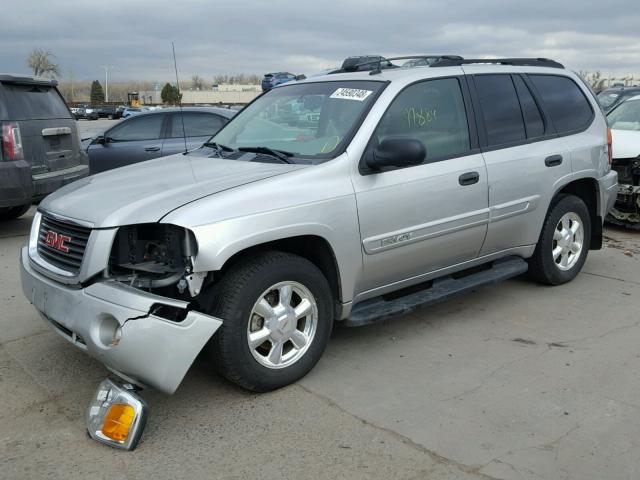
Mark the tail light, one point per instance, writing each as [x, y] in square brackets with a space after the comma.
[11, 142]
[610, 145]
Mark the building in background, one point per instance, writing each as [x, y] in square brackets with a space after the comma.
[219, 94]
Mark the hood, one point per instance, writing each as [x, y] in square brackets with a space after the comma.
[626, 143]
[147, 191]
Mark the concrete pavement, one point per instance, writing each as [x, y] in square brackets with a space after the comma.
[513, 381]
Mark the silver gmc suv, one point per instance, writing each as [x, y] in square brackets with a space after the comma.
[351, 197]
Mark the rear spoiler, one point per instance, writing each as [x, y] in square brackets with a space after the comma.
[28, 80]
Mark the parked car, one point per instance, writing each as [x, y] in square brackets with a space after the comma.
[409, 185]
[85, 112]
[129, 111]
[40, 150]
[624, 121]
[270, 80]
[153, 134]
[612, 97]
[109, 111]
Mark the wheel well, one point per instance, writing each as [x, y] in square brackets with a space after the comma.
[315, 249]
[587, 190]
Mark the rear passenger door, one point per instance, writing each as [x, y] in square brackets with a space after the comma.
[525, 158]
[426, 217]
[198, 127]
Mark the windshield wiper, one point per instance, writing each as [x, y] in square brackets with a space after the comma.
[218, 148]
[279, 154]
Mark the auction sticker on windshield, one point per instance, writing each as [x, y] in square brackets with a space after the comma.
[351, 94]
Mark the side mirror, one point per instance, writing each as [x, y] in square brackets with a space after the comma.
[397, 152]
[102, 139]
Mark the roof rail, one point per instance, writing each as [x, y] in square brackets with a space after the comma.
[521, 62]
[374, 64]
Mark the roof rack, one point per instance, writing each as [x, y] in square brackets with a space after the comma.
[374, 64]
[521, 62]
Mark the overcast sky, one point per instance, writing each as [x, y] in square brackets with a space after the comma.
[247, 36]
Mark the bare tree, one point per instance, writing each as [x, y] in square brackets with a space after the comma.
[197, 83]
[40, 62]
[220, 79]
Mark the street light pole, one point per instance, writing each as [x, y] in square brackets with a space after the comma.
[106, 81]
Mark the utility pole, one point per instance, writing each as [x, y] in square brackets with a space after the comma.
[71, 80]
[106, 81]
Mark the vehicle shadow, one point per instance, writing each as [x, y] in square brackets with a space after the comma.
[19, 226]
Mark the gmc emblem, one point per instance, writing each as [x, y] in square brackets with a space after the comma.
[55, 240]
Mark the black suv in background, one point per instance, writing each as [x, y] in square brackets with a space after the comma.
[40, 149]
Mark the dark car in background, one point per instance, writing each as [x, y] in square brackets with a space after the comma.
[111, 112]
[612, 97]
[85, 112]
[40, 149]
[270, 80]
[154, 134]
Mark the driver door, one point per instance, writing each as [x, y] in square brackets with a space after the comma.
[131, 141]
[419, 219]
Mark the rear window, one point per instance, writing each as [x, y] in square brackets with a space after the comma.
[530, 111]
[565, 102]
[197, 125]
[500, 109]
[34, 102]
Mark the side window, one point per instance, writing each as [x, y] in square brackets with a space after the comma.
[565, 102]
[433, 112]
[500, 109]
[196, 125]
[145, 127]
[533, 121]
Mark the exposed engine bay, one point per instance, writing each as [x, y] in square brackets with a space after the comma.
[154, 257]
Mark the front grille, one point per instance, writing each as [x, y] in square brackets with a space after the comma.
[66, 245]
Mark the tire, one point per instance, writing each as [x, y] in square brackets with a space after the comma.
[555, 269]
[9, 213]
[264, 276]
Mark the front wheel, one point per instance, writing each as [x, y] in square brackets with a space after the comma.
[277, 316]
[564, 242]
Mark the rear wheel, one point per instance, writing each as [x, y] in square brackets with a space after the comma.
[564, 242]
[9, 213]
[277, 316]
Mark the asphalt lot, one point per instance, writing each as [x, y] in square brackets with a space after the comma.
[513, 381]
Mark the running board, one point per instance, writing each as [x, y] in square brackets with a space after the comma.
[384, 307]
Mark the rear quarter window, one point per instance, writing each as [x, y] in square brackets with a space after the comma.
[34, 102]
[565, 102]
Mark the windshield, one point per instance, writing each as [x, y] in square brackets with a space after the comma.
[607, 99]
[626, 116]
[308, 120]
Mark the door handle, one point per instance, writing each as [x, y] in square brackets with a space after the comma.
[469, 178]
[152, 149]
[553, 160]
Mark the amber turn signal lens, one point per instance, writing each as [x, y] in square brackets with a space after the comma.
[118, 421]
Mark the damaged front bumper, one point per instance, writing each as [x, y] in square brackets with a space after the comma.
[120, 326]
[626, 210]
